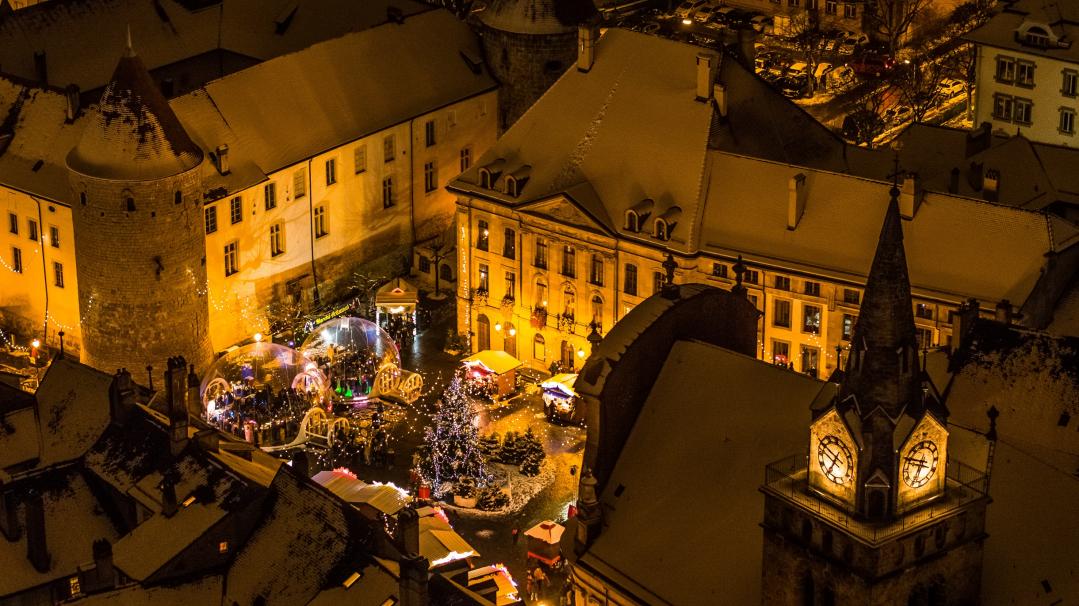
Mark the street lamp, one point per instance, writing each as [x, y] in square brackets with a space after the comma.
[258, 337]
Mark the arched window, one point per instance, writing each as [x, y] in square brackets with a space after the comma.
[1037, 36]
[82, 198]
[597, 311]
[511, 186]
[485, 178]
[541, 293]
[178, 197]
[569, 301]
[483, 333]
[632, 221]
[567, 355]
[509, 342]
[661, 229]
[539, 347]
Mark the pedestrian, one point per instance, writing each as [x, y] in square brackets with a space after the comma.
[530, 587]
[516, 534]
[540, 579]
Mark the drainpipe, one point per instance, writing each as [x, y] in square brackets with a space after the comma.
[311, 229]
[412, 190]
[44, 269]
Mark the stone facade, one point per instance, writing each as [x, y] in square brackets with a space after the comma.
[142, 270]
[526, 65]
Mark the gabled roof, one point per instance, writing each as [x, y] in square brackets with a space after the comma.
[1059, 17]
[630, 128]
[133, 134]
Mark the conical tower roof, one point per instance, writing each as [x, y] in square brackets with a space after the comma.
[882, 368]
[537, 16]
[133, 135]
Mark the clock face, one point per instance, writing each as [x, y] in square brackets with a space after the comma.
[834, 459]
[920, 464]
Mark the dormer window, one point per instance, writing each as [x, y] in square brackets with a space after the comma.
[638, 213]
[1036, 37]
[511, 187]
[485, 178]
[633, 222]
[489, 174]
[515, 181]
[661, 230]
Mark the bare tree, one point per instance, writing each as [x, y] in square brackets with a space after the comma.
[863, 125]
[892, 19]
[804, 35]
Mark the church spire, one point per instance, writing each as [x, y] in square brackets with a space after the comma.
[882, 368]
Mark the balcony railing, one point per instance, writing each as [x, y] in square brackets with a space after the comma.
[788, 479]
[479, 295]
[565, 322]
[539, 317]
[507, 301]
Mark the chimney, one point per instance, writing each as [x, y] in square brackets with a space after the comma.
[975, 174]
[176, 401]
[589, 513]
[964, 323]
[301, 464]
[979, 139]
[194, 400]
[37, 550]
[408, 529]
[9, 521]
[41, 68]
[719, 93]
[796, 200]
[953, 181]
[586, 45]
[706, 75]
[71, 94]
[223, 159]
[121, 397]
[991, 185]
[910, 198]
[1004, 312]
[413, 581]
[104, 571]
[168, 493]
[209, 440]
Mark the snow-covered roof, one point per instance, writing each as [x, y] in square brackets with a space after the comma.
[384, 498]
[73, 410]
[397, 291]
[18, 437]
[206, 590]
[81, 39]
[496, 361]
[375, 587]
[1058, 18]
[348, 87]
[641, 89]
[133, 134]
[727, 429]
[954, 245]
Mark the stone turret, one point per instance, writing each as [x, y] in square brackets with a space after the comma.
[136, 179]
[529, 44]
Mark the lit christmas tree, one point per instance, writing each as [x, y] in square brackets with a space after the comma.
[450, 447]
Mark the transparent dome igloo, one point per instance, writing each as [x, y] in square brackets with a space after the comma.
[349, 335]
[258, 366]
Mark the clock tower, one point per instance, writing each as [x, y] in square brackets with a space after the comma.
[875, 512]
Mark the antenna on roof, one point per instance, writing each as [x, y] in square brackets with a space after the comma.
[897, 146]
[129, 51]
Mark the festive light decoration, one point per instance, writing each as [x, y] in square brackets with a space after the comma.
[450, 557]
[450, 444]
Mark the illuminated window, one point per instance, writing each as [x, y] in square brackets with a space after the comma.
[387, 192]
[429, 133]
[430, 177]
[236, 210]
[276, 242]
[299, 183]
[811, 319]
[511, 285]
[331, 171]
[1024, 73]
[596, 275]
[13, 223]
[359, 158]
[466, 158]
[223, 547]
[210, 218]
[58, 274]
[569, 261]
[321, 227]
[269, 196]
[509, 244]
[16, 260]
[1067, 121]
[1005, 69]
[482, 235]
[1024, 111]
[810, 360]
[389, 148]
[1002, 107]
[781, 351]
[848, 327]
[629, 283]
[74, 586]
[484, 281]
[231, 262]
[54, 236]
[923, 311]
[781, 313]
[597, 311]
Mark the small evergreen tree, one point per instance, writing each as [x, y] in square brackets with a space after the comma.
[491, 499]
[490, 445]
[450, 446]
[532, 453]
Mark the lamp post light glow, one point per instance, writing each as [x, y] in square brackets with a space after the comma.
[35, 343]
[498, 327]
[258, 337]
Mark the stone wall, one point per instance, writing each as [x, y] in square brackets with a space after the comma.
[142, 271]
[526, 65]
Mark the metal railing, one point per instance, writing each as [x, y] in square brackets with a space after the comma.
[788, 479]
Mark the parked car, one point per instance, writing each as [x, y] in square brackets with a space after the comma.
[871, 64]
[762, 24]
[950, 88]
[851, 43]
[798, 70]
[839, 78]
[858, 124]
[687, 8]
[768, 60]
[730, 16]
[793, 86]
[704, 13]
[898, 114]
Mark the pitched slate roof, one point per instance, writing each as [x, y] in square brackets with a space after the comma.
[1061, 17]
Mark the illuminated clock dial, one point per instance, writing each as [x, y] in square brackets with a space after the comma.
[834, 459]
[920, 463]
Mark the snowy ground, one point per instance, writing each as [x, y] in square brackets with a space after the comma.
[520, 488]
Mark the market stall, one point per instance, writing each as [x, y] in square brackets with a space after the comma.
[560, 401]
[351, 352]
[395, 308]
[491, 373]
[543, 543]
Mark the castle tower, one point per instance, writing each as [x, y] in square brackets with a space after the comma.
[876, 513]
[529, 44]
[137, 194]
